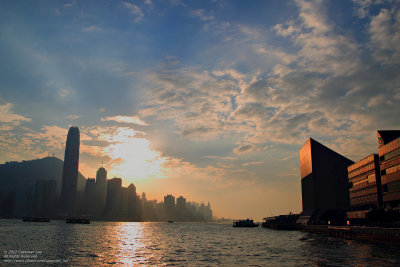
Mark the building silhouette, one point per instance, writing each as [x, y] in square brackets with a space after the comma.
[324, 181]
[45, 197]
[90, 202]
[113, 199]
[389, 160]
[365, 187]
[70, 172]
[101, 190]
[169, 207]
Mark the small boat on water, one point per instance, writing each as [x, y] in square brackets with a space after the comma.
[78, 220]
[170, 221]
[244, 223]
[35, 219]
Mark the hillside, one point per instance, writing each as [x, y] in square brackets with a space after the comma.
[27, 172]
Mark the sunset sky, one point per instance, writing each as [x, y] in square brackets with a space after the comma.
[207, 99]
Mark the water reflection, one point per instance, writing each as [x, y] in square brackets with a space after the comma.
[184, 244]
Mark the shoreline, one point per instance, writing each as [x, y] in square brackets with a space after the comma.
[364, 233]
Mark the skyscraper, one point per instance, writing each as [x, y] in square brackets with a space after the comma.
[70, 171]
[101, 189]
[324, 181]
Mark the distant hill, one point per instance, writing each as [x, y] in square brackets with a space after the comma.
[27, 172]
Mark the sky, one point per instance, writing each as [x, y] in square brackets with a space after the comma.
[211, 100]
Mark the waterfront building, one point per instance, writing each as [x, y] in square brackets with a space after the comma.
[169, 207]
[181, 208]
[324, 181]
[365, 186]
[101, 189]
[135, 209]
[113, 199]
[45, 197]
[389, 160]
[90, 194]
[70, 172]
[181, 204]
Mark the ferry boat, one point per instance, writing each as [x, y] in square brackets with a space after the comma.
[244, 223]
[35, 219]
[78, 220]
[281, 222]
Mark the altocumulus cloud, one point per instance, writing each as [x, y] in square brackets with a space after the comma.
[322, 84]
[125, 119]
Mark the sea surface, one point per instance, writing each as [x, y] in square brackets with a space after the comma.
[180, 244]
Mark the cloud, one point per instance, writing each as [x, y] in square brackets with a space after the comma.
[201, 14]
[250, 163]
[361, 7]
[385, 35]
[73, 117]
[319, 84]
[244, 149]
[148, 3]
[92, 28]
[125, 119]
[7, 116]
[135, 10]
[65, 93]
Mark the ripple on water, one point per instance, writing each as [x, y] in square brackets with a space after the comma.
[189, 244]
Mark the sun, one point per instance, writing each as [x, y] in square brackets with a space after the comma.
[135, 159]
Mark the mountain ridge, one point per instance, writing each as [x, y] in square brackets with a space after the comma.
[14, 173]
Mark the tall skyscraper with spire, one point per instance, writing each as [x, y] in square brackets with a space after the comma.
[70, 171]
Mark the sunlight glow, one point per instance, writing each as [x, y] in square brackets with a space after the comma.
[134, 155]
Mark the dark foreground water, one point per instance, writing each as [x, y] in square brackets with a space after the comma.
[182, 244]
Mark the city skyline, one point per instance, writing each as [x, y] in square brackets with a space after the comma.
[210, 98]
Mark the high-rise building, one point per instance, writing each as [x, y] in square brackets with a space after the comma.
[113, 199]
[90, 197]
[389, 160]
[70, 171]
[181, 208]
[324, 181]
[169, 207]
[45, 197]
[181, 203]
[101, 189]
[134, 209]
[365, 186]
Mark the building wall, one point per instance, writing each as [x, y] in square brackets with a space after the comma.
[326, 187]
[70, 171]
[389, 157]
[364, 176]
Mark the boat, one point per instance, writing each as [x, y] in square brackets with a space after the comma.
[35, 219]
[281, 222]
[170, 221]
[244, 223]
[78, 220]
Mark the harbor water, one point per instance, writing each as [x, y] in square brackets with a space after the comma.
[180, 244]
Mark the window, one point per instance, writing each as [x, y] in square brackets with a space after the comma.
[393, 169]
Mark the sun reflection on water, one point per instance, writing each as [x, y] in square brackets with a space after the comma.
[123, 244]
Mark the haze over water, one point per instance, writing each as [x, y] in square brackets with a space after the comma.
[185, 244]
